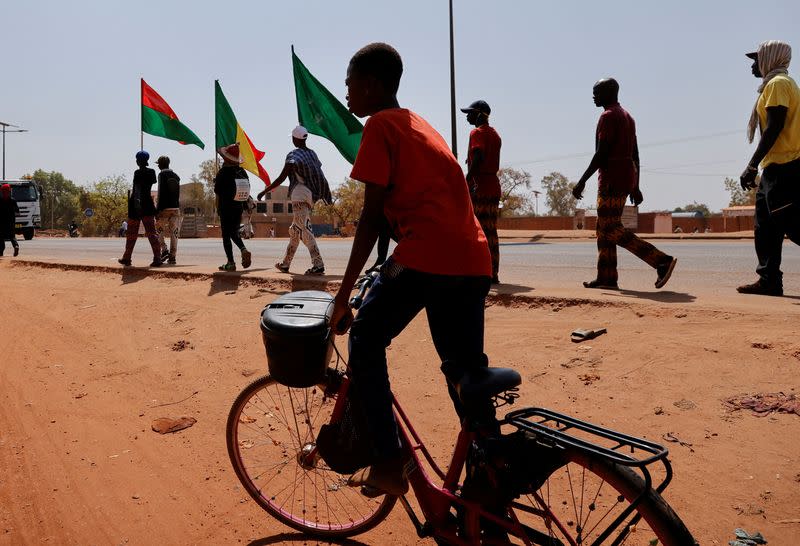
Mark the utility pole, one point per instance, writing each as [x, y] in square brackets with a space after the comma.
[6, 130]
[536, 202]
[452, 86]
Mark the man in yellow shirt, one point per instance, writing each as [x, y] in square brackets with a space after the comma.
[777, 115]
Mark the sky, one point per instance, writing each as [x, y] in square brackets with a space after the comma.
[70, 76]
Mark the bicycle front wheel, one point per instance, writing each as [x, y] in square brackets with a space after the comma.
[271, 435]
[579, 501]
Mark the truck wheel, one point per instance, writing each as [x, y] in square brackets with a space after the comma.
[27, 233]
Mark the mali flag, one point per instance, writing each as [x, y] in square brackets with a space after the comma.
[229, 132]
[159, 119]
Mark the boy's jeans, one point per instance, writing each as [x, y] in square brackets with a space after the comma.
[455, 310]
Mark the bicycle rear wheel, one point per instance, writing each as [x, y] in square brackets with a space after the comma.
[578, 502]
[271, 430]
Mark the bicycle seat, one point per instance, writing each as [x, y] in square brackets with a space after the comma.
[483, 383]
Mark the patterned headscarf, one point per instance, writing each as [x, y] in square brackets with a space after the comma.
[773, 59]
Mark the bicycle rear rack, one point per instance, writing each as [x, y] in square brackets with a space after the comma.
[553, 429]
[558, 429]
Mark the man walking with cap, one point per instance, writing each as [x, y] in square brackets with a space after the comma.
[777, 114]
[617, 158]
[141, 209]
[229, 209]
[8, 216]
[307, 185]
[483, 163]
[169, 209]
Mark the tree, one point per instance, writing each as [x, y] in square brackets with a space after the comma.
[695, 207]
[348, 200]
[512, 182]
[108, 198]
[739, 196]
[60, 202]
[203, 195]
[558, 194]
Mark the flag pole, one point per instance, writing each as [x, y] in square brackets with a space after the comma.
[214, 157]
[141, 101]
[452, 86]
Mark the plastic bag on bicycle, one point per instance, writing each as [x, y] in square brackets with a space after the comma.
[501, 468]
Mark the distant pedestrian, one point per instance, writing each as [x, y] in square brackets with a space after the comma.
[307, 185]
[8, 214]
[141, 209]
[272, 232]
[123, 229]
[617, 158]
[229, 177]
[247, 229]
[169, 209]
[777, 114]
[483, 164]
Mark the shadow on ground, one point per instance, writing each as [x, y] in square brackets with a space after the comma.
[664, 296]
[134, 274]
[503, 288]
[300, 538]
[228, 281]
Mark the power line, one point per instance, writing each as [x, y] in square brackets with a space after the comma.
[715, 175]
[648, 145]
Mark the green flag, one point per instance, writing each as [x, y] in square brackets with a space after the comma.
[322, 113]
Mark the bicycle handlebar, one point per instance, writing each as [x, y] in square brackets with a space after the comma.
[363, 285]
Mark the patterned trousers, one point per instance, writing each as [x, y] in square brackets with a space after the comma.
[301, 230]
[169, 221]
[133, 234]
[611, 233]
[487, 211]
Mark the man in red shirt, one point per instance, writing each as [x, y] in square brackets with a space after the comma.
[441, 262]
[483, 162]
[617, 158]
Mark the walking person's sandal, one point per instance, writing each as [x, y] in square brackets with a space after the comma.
[585, 334]
[597, 283]
[665, 272]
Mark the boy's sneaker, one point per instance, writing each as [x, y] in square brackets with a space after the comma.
[171, 260]
[319, 270]
[124, 262]
[665, 271]
[760, 288]
[164, 255]
[282, 268]
[247, 258]
[230, 266]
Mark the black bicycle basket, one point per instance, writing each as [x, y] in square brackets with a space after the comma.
[297, 337]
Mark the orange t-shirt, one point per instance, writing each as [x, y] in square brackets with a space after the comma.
[427, 202]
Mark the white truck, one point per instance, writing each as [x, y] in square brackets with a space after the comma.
[28, 196]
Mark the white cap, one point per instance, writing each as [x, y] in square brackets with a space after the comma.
[300, 132]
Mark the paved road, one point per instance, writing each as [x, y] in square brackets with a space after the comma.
[704, 267]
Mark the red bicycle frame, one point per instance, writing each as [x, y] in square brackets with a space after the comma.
[437, 502]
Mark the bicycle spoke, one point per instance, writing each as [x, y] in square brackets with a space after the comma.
[272, 442]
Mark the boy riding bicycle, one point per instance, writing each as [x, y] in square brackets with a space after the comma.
[441, 262]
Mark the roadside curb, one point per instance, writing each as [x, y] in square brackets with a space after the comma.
[302, 282]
